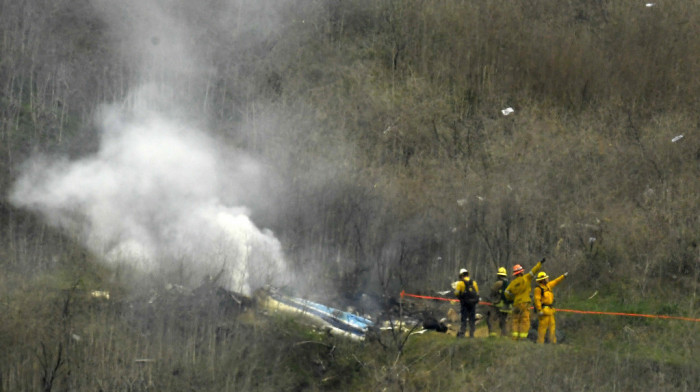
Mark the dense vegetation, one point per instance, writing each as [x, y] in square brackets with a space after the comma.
[393, 167]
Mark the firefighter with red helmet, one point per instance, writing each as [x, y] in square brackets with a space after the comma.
[518, 291]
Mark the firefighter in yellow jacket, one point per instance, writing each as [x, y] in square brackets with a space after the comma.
[518, 291]
[544, 306]
[467, 291]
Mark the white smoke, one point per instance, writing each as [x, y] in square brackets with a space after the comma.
[159, 193]
[152, 197]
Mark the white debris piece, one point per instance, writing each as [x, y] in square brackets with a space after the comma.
[507, 111]
[99, 294]
[650, 5]
[461, 202]
[677, 138]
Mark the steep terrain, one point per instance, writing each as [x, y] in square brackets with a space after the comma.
[344, 151]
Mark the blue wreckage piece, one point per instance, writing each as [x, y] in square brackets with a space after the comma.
[350, 324]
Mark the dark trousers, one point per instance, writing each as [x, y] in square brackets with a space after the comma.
[496, 316]
[468, 311]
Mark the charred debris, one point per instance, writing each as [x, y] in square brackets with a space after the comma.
[361, 317]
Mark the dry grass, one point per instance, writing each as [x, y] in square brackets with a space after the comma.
[382, 119]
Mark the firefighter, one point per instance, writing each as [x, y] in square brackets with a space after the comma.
[500, 306]
[467, 291]
[544, 306]
[518, 291]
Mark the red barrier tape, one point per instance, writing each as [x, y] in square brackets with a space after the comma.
[659, 316]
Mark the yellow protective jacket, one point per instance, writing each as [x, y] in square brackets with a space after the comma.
[518, 290]
[544, 296]
[462, 285]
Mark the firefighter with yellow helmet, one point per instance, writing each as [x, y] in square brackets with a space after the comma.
[500, 306]
[544, 306]
[518, 291]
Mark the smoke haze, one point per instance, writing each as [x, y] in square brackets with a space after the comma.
[159, 194]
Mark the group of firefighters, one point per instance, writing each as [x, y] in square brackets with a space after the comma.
[510, 299]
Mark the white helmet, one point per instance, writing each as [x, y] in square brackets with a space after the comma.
[463, 271]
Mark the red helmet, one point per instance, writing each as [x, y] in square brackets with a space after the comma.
[517, 269]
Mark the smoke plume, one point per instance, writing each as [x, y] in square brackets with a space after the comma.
[159, 194]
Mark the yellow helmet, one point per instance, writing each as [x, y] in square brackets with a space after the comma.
[502, 271]
[542, 276]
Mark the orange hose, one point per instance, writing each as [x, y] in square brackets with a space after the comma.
[659, 316]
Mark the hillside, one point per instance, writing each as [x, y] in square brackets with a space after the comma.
[344, 150]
